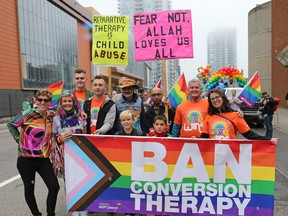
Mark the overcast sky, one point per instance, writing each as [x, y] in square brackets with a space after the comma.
[207, 15]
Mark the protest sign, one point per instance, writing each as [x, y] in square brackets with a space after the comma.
[110, 40]
[163, 35]
[150, 175]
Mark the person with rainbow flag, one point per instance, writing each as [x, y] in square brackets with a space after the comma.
[190, 114]
[158, 108]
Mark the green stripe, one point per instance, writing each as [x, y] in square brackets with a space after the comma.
[176, 96]
[253, 91]
[257, 186]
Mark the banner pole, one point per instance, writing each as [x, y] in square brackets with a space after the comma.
[165, 87]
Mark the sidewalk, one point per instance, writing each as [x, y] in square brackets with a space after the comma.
[280, 119]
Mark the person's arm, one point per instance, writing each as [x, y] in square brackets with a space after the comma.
[148, 120]
[272, 102]
[254, 136]
[142, 118]
[176, 130]
[108, 122]
[13, 125]
[204, 135]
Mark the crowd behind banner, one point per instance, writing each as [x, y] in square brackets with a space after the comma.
[131, 112]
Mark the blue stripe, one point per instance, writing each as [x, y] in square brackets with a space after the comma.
[92, 165]
[257, 200]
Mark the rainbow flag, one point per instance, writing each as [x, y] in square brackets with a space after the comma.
[125, 174]
[178, 92]
[251, 91]
[56, 90]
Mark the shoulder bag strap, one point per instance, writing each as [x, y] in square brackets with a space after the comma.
[228, 120]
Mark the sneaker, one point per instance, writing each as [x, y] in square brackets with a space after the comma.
[83, 213]
[75, 213]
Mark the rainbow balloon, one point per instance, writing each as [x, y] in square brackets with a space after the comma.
[226, 75]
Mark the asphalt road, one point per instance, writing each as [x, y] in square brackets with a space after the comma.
[11, 190]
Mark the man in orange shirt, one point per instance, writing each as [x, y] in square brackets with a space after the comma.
[80, 90]
[189, 117]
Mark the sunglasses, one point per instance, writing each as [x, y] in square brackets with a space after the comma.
[41, 99]
[79, 78]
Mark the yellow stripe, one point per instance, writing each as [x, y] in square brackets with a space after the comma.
[179, 92]
[258, 173]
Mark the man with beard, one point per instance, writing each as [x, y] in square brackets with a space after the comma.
[158, 108]
[131, 101]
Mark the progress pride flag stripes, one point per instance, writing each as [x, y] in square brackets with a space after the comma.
[165, 167]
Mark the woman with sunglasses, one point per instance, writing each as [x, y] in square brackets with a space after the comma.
[66, 122]
[34, 150]
[222, 122]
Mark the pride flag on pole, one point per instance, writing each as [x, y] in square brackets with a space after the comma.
[251, 91]
[56, 90]
[178, 92]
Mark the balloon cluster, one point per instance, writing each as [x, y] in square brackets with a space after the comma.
[225, 75]
[204, 73]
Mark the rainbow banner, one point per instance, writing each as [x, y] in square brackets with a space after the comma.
[56, 90]
[175, 176]
[251, 91]
[178, 92]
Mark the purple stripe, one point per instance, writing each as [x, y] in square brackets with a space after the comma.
[128, 207]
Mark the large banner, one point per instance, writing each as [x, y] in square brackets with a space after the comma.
[163, 35]
[110, 40]
[167, 175]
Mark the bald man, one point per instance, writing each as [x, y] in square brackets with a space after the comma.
[158, 108]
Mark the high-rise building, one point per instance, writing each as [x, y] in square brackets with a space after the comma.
[151, 71]
[222, 48]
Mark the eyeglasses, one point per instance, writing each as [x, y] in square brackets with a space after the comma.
[158, 94]
[215, 98]
[41, 99]
[79, 78]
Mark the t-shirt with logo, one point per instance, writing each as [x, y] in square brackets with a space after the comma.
[81, 96]
[220, 128]
[190, 115]
[95, 107]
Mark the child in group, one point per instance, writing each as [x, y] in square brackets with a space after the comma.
[127, 120]
[159, 127]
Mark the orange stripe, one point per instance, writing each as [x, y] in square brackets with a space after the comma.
[124, 155]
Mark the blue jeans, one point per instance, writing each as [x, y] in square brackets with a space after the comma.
[269, 128]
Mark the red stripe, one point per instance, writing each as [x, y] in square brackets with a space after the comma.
[177, 144]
